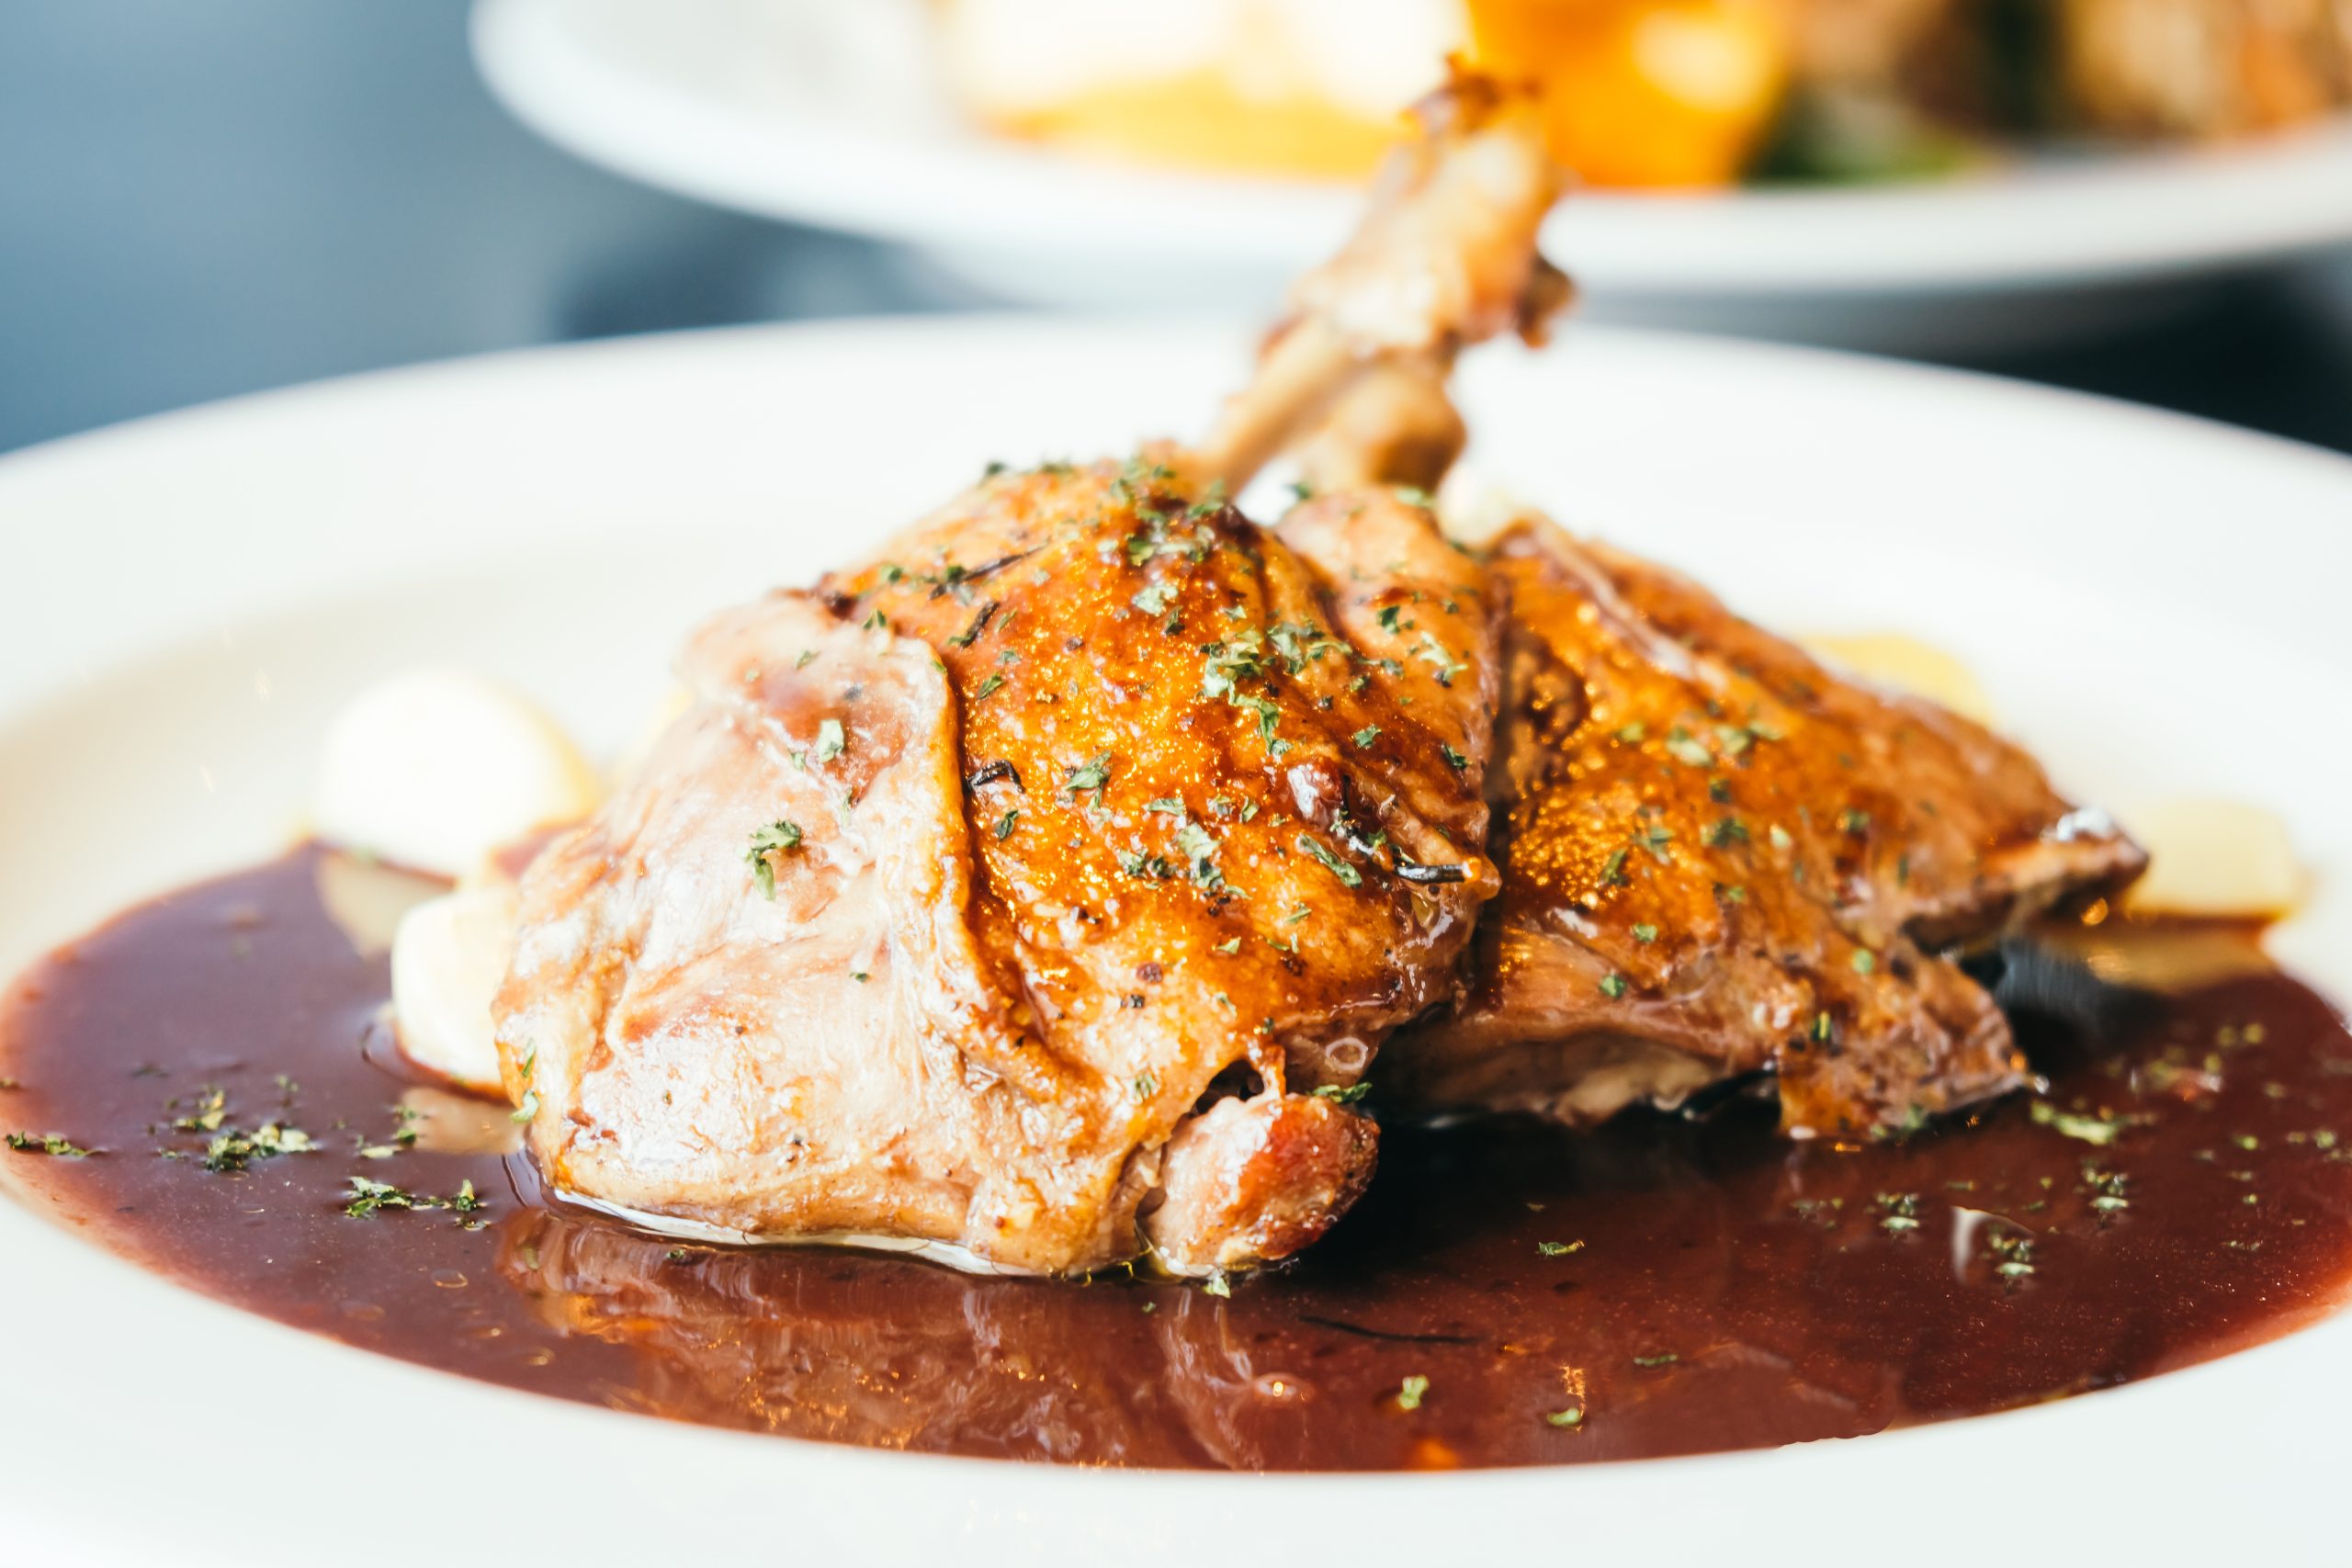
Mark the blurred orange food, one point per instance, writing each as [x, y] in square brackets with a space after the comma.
[1640, 92]
[1314, 88]
[1645, 92]
[1199, 119]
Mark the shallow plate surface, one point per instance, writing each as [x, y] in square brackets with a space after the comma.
[831, 114]
[2154, 604]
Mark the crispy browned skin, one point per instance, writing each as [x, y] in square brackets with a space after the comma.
[1445, 257]
[1140, 825]
[1216, 763]
[1109, 827]
[1719, 858]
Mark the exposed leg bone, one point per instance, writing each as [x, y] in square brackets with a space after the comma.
[1446, 258]
[1393, 427]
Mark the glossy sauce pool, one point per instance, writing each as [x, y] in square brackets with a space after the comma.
[1506, 1295]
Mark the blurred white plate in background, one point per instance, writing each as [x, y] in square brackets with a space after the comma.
[832, 113]
[192, 597]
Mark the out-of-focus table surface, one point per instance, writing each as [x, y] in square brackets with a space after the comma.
[202, 200]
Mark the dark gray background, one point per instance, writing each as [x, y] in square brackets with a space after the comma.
[200, 198]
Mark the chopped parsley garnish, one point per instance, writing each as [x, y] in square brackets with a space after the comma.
[1151, 868]
[1004, 825]
[46, 1143]
[1855, 822]
[1364, 737]
[773, 840]
[1302, 644]
[1632, 734]
[1454, 759]
[1338, 1095]
[1439, 658]
[1349, 875]
[1411, 1391]
[2015, 1250]
[2106, 1189]
[2099, 1131]
[1612, 873]
[1152, 600]
[1663, 1359]
[971, 634]
[1683, 748]
[1229, 664]
[1645, 934]
[1091, 774]
[1864, 960]
[1387, 616]
[1612, 985]
[1269, 717]
[234, 1151]
[1558, 1248]
[1156, 540]
[1199, 848]
[211, 1110]
[1572, 1416]
[831, 740]
[367, 1197]
[988, 688]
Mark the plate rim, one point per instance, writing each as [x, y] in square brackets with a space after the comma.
[2150, 217]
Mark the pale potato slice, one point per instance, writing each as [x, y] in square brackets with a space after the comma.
[448, 956]
[2220, 858]
[1907, 665]
[436, 769]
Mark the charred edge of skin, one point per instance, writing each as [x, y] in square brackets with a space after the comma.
[972, 574]
[993, 772]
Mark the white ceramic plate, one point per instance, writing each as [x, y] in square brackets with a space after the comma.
[830, 113]
[2149, 600]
